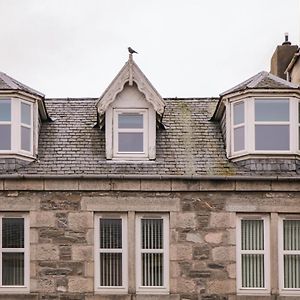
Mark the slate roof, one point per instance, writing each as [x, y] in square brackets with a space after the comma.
[190, 144]
[262, 80]
[9, 83]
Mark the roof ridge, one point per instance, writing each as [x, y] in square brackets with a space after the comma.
[257, 79]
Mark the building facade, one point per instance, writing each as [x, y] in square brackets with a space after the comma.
[132, 196]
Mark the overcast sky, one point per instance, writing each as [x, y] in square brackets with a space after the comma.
[187, 48]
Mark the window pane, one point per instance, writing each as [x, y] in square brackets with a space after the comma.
[131, 142]
[25, 138]
[25, 114]
[13, 233]
[152, 269]
[130, 120]
[110, 269]
[252, 232]
[152, 234]
[292, 271]
[5, 137]
[238, 113]
[253, 271]
[5, 110]
[110, 233]
[291, 234]
[272, 110]
[239, 138]
[12, 268]
[272, 137]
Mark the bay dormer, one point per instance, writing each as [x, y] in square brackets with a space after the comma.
[129, 111]
[260, 119]
[22, 109]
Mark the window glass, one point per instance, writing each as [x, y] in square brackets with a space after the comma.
[272, 137]
[272, 110]
[5, 110]
[291, 260]
[25, 138]
[12, 232]
[111, 256]
[130, 120]
[12, 268]
[25, 113]
[152, 263]
[239, 138]
[5, 137]
[238, 113]
[13, 252]
[131, 142]
[252, 261]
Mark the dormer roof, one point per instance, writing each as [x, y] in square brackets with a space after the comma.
[9, 83]
[262, 80]
[131, 74]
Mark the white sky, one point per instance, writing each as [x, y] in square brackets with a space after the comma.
[187, 48]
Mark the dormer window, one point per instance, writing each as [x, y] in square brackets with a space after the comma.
[131, 132]
[129, 111]
[260, 118]
[16, 134]
[272, 124]
[5, 125]
[264, 125]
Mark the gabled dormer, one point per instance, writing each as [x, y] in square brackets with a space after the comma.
[260, 118]
[129, 110]
[22, 110]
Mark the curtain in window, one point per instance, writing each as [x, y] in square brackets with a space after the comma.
[252, 263]
[291, 243]
[13, 261]
[110, 252]
[152, 252]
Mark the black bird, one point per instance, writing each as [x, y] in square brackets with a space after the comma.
[131, 51]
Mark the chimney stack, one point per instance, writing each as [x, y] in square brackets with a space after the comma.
[282, 57]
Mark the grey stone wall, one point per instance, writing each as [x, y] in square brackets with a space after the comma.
[202, 231]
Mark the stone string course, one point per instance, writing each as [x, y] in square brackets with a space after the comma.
[202, 232]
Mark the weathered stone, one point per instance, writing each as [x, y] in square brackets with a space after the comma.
[183, 220]
[79, 221]
[201, 252]
[231, 270]
[65, 252]
[155, 185]
[214, 237]
[222, 220]
[94, 184]
[223, 253]
[42, 219]
[24, 184]
[82, 253]
[221, 286]
[181, 252]
[58, 201]
[61, 184]
[46, 252]
[194, 237]
[80, 285]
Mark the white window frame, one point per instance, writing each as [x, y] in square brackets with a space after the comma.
[27, 126]
[238, 126]
[144, 130]
[24, 288]
[266, 252]
[281, 253]
[111, 289]
[16, 125]
[146, 289]
[249, 106]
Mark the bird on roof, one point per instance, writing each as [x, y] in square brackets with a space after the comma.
[131, 51]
